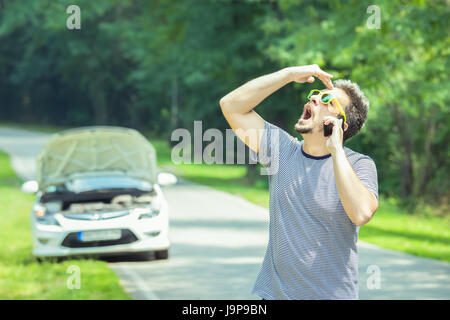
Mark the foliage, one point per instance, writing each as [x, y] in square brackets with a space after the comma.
[162, 64]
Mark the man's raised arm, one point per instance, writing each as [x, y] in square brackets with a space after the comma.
[237, 106]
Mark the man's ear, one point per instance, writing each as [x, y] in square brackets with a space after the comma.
[345, 124]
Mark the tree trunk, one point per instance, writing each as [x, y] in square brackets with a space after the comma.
[276, 8]
[174, 105]
[99, 106]
[133, 113]
[427, 154]
[407, 147]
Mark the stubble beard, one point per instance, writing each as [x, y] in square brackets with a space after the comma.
[301, 128]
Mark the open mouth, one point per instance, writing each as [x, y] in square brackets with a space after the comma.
[306, 113]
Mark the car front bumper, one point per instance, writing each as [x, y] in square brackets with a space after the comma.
[57, 241]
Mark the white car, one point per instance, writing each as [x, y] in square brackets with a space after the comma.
[98, 193]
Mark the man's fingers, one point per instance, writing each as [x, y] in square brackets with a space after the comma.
[325, 77]
[328, 84]
[320, 71]
[315, 71]
[326, 81]
[328, 120]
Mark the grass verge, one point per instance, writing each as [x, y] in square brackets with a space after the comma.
[21, 276]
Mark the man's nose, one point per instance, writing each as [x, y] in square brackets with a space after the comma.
[315, 100]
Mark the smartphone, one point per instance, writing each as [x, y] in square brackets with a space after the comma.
[328, 129]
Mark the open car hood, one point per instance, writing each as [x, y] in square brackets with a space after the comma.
[94, 150]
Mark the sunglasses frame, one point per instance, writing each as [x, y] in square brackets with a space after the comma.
[332, 98]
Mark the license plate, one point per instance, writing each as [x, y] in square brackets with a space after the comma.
[99, 235]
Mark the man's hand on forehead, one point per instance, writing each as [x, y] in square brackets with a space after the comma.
[308, 73]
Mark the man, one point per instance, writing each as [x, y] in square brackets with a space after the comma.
[321, 191]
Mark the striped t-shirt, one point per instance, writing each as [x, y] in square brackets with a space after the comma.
[312, 251]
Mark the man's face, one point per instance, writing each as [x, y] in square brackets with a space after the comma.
[314, 111]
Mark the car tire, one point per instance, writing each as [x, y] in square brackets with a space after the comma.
[162, 254]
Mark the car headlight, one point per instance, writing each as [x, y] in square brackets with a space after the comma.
[43, 218]
[38, 210]
[48, 219]
[150, 214]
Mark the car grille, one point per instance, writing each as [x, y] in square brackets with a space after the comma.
[96, 215]
[72, 241]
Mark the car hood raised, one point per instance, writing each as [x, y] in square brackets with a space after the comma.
[93, 150]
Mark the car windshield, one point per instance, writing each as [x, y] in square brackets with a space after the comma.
[102, 182]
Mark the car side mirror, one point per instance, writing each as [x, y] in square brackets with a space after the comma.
[166, 179]
[30, 187]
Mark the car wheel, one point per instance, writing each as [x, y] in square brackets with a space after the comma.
[162, 254]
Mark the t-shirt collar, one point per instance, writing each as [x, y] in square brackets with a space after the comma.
[314, 157]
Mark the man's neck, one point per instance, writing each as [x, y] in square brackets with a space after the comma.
[315, 145]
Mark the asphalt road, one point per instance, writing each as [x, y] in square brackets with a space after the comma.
[219, 240]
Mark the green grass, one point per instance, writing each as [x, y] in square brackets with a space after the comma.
[21, 276]
[392, 226]
[419, 234]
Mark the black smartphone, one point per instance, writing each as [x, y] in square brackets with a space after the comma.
[328, 129]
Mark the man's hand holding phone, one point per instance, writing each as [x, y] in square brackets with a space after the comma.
[334, 143]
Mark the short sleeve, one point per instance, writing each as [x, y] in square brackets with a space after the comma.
[366, 171]
[274, 145]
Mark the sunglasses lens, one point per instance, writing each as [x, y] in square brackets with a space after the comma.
[313, 93]
[326, 98]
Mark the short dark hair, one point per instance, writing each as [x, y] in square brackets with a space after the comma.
[356, 111]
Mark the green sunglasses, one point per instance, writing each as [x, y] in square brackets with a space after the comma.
[326, 98]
